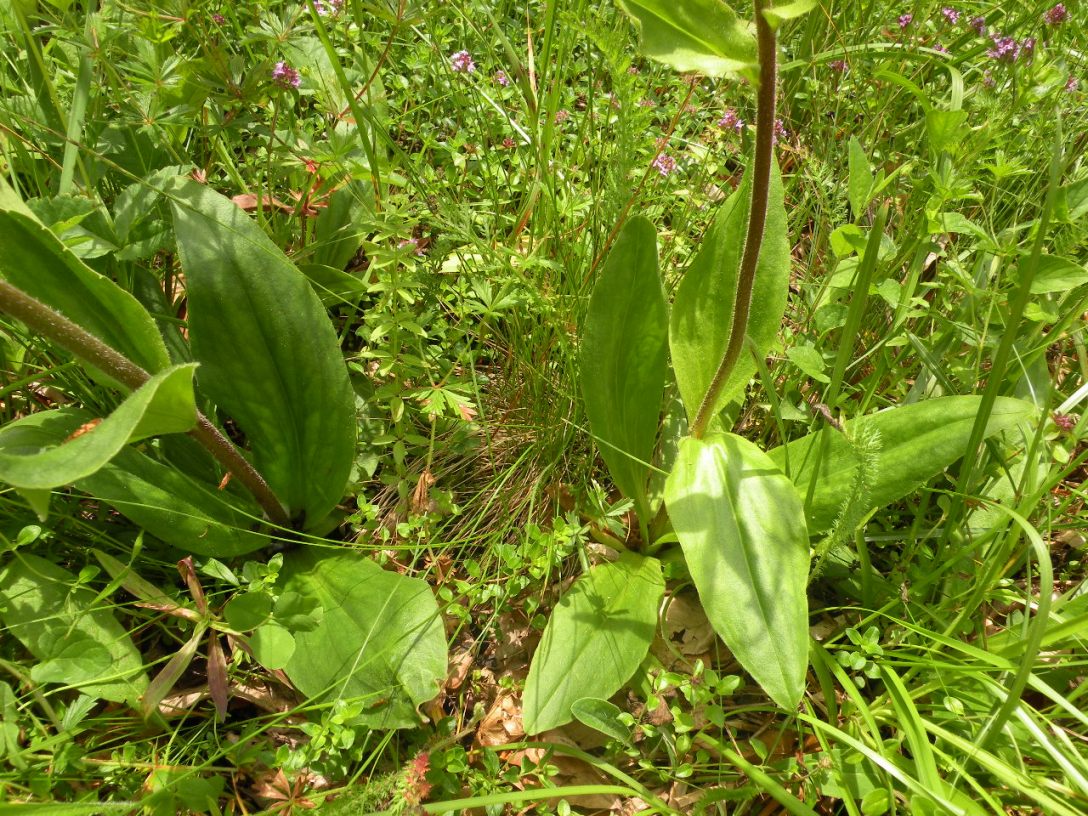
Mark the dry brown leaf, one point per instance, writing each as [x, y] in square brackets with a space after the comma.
[248, 202]
[421, 495]
[502, 724]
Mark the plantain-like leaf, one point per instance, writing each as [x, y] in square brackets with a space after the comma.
[623, 359]
[161, 499]
[164, 404]
[695, 35]
[35, 261]
[741, 525]
[270, 356]
[918, 441]
[860, 177]
[76, 642]
[702, 312]
[380, 639]
[596, 638]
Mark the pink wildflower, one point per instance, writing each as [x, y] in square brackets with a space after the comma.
[1071, 84]
[501, 78]
[839, 66]
[905, 20]
[1005, 49]
[780, 131]
[327, 7]
[664, 164]
[219, 19]
[285, 76]
[561, 116]
[461, 63]
[731, 121]
[951, 15]
[979, 25]
[1057, 15]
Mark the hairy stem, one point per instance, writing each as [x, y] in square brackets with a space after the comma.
[58, 329]
[757, 217]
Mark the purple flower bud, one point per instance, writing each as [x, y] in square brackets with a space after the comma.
[1057, 15]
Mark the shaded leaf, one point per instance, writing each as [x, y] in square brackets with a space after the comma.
[695, 35]
[164, 404]
[270, 356]
[741, 525]
[1056, 274]
[380, 639]
[597, 635]
[702, 313]
[41, 606]
[623, 365]
[860, 177]
[602, 716]
[35, 261]
[918, 441]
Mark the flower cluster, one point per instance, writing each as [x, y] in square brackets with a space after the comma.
[979, 25]
[1006, 49]
[730, 121]
[905, 20]
[327, 8]
[664, 164]
[1057, 15]
[951, 15]
[285, 76]
[461, 63]
[501, 78]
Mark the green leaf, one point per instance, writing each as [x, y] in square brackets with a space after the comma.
[35, 261]
[918, 441]
[602, 716]
[164, 404]
[1056, 274]
[741, 525]
[75, 642]
[248, 610]
[67, 808]
[810, 361]
[702, 313]
[860, 178]
[695, 35]
[269, 353]
[596, 638]
[623, 365]
[380, 639]
[272, 645]
[945, 129]
[778, 14]
[159, 498]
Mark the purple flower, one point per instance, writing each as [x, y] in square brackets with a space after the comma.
[951, 15]
[940, 49]
[979, 25]
[461, 63]
[561, 116]
[664, 164]
[1057, 15]
[219, 19]
[1071, 84]
[731, 121]
[285, 76]
[1027, 47]
[839, 66]
[327, 7]
[780, 131]
[412, 244]
[501, 78]
[905, 20]
[1005, 49]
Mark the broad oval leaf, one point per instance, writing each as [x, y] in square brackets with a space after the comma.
[164, 404]
[623, 359]
[35, 261]
[76, 642]
[380, 639]
[695, 35]
[159, 498]
[269, 353]
[596, 638]
[918, 441]
[741, 525]
[702, 312]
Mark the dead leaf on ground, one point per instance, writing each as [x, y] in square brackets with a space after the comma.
[687, 630]
[502, 724]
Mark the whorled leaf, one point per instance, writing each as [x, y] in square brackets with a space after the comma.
[702, 312]
[597, 635]
[270, 356]
[623, 359]
[38, 263]
[741, 525]
[164, 404]
[918, 441]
